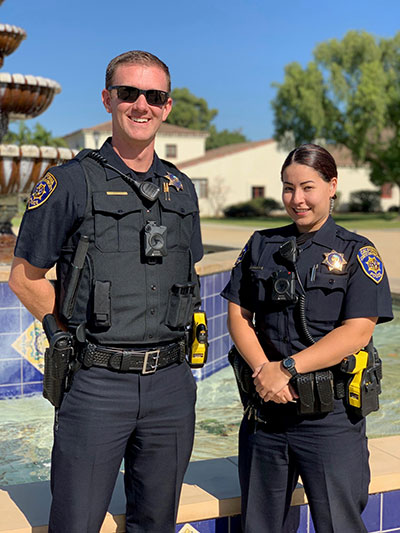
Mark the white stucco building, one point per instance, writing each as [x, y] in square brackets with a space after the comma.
[239, 172]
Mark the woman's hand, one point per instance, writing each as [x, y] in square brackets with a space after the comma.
[287, 394]
[269, 380]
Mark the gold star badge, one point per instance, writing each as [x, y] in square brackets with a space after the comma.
[334, 261]
[174, 181]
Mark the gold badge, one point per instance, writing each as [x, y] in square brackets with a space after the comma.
[334, 261]
[174, 181]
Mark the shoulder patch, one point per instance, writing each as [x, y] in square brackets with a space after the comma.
[42, 191]
[241, 255]
[371, 263]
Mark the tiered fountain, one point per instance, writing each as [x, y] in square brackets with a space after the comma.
[21, 97]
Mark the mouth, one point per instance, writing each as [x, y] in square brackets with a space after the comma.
[140, 120]
[301, 211]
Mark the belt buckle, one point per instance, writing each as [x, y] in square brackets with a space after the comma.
[151, 353]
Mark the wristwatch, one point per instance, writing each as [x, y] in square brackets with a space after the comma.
[289, 364]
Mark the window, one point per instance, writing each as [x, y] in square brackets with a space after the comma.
[171, 150]
[201, 186]
[258, 192]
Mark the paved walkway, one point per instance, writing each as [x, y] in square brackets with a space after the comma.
[386, 241]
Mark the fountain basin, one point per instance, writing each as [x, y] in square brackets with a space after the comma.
[10, 38]
[25, 96]
[22, 166]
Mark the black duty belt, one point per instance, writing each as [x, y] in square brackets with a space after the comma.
[143, 361]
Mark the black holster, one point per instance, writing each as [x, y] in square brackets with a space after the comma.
[58, 361]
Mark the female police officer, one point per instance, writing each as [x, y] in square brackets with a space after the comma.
[301, 299]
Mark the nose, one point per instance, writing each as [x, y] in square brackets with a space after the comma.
[297, 196]
[141, 103]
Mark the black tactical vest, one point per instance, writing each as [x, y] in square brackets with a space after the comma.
[124, 297]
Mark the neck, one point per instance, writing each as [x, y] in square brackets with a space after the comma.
[135, 156]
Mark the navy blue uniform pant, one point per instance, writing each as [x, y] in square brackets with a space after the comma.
[329, 453]
[106, 416]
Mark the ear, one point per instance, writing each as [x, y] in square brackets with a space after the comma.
[106, 98]
[167, 109]
[332, 186]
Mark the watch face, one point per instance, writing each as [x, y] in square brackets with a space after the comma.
[288, 363]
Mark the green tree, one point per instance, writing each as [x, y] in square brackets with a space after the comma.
[348, 95]
[223, 137]
[192, 112]
[38, 136]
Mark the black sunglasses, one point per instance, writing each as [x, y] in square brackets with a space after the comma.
[126, 93]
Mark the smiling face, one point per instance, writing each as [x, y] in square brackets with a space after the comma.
[136, 124]
[306, 196]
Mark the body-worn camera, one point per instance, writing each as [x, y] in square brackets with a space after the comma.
[283, 286]
[155, 239]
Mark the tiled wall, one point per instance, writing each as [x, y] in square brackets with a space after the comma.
[382, 515]
[22, 339]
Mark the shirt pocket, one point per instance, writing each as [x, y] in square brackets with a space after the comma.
[325, 296]
[117, 222]
[178, 215]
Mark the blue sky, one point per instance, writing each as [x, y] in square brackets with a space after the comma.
[228, 52]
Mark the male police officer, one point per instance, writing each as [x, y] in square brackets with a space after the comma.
[133, 395]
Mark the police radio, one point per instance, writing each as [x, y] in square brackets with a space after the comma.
[198, 346]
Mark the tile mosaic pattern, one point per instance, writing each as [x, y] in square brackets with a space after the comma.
[22, 341]
[21, 359]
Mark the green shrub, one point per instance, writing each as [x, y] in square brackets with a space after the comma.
[365, 202]
[257, 207]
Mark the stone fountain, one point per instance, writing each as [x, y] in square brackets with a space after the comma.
[21, 97]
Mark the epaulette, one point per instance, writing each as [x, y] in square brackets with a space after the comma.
[82, 154]
[348, 235]
[170, 165]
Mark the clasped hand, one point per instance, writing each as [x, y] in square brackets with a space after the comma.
[272, 383]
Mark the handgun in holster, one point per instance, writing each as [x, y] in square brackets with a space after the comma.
[363, 387]
[198, 340]
[58, 361]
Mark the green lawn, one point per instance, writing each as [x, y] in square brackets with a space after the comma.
[351, 221]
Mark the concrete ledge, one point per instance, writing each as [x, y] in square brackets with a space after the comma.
[211, 490]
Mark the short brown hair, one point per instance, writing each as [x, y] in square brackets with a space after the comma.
[137, 57]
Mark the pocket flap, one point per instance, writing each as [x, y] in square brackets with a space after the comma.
[328, 281]
[180, 203]
[118, 204]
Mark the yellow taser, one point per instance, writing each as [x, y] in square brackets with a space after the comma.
[199, 340]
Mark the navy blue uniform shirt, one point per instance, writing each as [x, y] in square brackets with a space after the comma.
[341, 273]
[45, 228]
